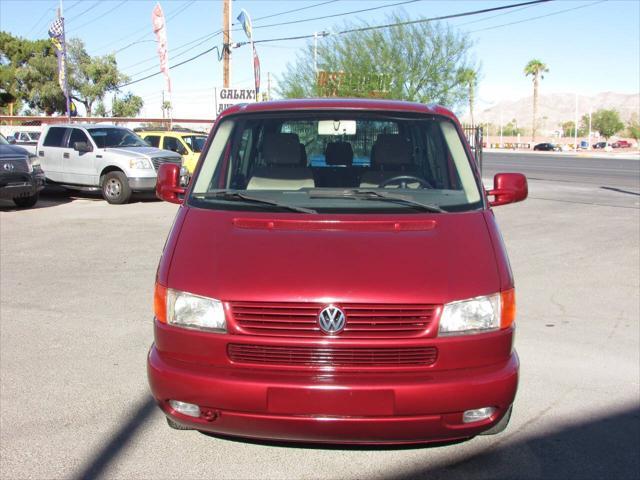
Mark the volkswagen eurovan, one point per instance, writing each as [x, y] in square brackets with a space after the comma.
[335, 274]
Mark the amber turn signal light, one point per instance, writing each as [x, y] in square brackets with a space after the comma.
[508, 315]
[160, 303]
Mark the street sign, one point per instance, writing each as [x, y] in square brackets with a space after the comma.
[226, 97]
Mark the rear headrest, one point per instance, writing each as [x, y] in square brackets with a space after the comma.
[390, 150]
[339, 153]
[281, 149]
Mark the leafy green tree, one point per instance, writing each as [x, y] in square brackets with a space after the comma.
[417, 62]
[536, 69]
[511, 129]
[607, 122]
[633, 127]
[469, 77]
[29, 74]
[128, 106]
[91, 78]
[568, 128]
[100, 110]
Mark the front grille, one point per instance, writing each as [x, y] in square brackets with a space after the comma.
[14, 164]
[157, 161]
[332, 356]
[362, 320]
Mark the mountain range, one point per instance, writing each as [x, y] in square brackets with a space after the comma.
[556, 108]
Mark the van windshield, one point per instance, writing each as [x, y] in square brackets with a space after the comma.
[112, 137]
[329, 162]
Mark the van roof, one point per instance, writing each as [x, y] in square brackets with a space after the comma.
[356, 104]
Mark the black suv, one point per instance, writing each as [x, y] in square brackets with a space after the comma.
[21, 178]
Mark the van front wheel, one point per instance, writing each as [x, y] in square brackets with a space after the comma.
[115, 188]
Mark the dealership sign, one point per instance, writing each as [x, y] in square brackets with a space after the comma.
[226, 97]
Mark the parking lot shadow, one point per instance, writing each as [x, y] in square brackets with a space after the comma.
[119, 441]
[604, 448]
[53, 196]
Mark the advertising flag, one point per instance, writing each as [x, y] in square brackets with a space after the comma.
[56, 33]
[256, 70]
[245, 20]
[160, 29]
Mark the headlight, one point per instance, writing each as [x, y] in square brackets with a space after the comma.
[187, 310]
[141, 163]
[478, 315]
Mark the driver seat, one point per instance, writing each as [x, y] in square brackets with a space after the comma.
[390, 157]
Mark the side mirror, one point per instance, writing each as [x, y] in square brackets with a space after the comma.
[11, 140]
[168, 183]
[82, 147]
[508, 188]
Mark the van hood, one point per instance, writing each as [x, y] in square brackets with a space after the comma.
[137, 152]
[240, 256]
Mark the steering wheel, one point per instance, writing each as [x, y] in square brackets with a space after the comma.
[404, 180]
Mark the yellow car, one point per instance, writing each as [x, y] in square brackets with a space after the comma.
[189, 144]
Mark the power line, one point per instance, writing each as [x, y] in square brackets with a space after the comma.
[211, 35]
[74, 4]
[85, 11]
[215, 47]
[336, 14]
[171, 16]
[46, 12]
[343, 32]
[99, 17]
[174, 56]
[292, 11]
[173, 51]
[536, 18]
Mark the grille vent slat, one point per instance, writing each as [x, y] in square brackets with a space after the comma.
[363, 320]
[335, 357]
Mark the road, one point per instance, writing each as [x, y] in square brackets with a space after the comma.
[75, 307]
[603, 172]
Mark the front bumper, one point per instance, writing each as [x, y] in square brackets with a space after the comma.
[140, 184]
[349, 407]
[18, 185]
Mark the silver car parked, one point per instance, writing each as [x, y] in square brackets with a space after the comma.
[98, 156]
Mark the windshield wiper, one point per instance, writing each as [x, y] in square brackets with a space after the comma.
[231, 195]
[359, 194]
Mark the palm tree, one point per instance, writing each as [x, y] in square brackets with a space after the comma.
[469, 77]
[536, 69]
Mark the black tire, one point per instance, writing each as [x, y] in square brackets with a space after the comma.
[26, 202]
[177, 426]
[501, 425]
[115, 188]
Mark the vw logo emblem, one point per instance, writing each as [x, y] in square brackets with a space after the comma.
[8, 166]
[331, 320]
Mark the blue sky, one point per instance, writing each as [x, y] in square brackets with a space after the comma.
[592, 48]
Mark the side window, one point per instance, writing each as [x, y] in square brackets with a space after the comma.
[77, 135]
[24, 137]
[173, 144]
[54, 137]
[153, 140]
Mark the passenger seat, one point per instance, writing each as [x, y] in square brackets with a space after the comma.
[285, 169]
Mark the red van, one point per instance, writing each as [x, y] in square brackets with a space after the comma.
[335, 274]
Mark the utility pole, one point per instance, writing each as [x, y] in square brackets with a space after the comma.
[162, 108]
[268, 85]
[315, 52]
[575, 129]
[226, 40]
[590, 109]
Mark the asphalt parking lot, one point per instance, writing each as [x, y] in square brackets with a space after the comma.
[76, 322]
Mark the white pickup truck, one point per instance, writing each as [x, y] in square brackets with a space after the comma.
[97, 156]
